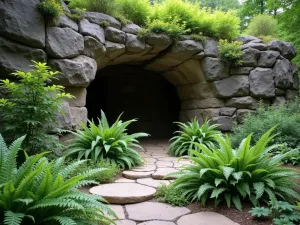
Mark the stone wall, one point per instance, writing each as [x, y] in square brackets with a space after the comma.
[206, 87]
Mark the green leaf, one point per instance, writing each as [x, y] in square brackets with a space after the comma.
[227, 171]
[11, 218]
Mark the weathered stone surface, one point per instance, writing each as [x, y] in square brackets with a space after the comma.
[255, 45]
[161, 173]
[14, 57]
[118, 209]
[151, 182]
[242, 102]
[159, 42]
[286, 49]
[279, 100]
[79, 115]
[66, 139]
[93, 48]
[240, 70]
[22, 22]
[205, 218]
[98, 18]
[195, 91]
[114, 49]
[210, 113]
[125, 222]
[296, 81]
[291, 94]
[279, 91]
[248, 38]
[199, 56]
[134, 44]
[188, 115]
[262, 83]
[157, 222]
[64, 118]
[164, 164]
[124, 193]
[64, 21]
[136, 175]
[226, 122]
[283, 74]
[211, 48]
[115, 35]
[154, 211]
[131, 28]
[124, 180]
[240, 113]
[79, 94]
[250, 57]
[202, 104]
[214, 69]
[91, 29]
[227, 111]
[268, 58]
[192, 71]
[176, 77]
[232, 86]
[150, 160]
[146, 168]
[63, 42]
[76, 72]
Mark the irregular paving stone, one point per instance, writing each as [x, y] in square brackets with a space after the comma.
[286, 49]
[159, 42]
[79, 94]
[93, 48]
[124, 180]
[118, 209]
[114, 35]
[14, 57]
[161, 173]
[63, 42]
[124, 193]
[151, 182]
[211, 48]
[227, 111]
[205, 218]
[226, 122]
[98, 18]
[232, 86]
[164, 164]
[268, 58]
[64, 21]
[248, 38]
[250, 57]
[214, 69]
[146, 168]
[21, 21]
[283, 74]
[241, 113]
[136, 175]
[169, 159]
[157, 222]
[90, 29]
[150, 160]
[125, 222]
[240, 70]
[262, 83]
[134, 44]
[154, 211]
[131, 28]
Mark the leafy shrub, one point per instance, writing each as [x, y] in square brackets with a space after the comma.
[267, 39]
[229, 175]
[198, 37]
[32, 106]
[167, 194]
[51, 8]
[143, 33]
[230, 51]
[76, 14]
[40, 192]
[293, 159]
[190, 134]
[103, 6]
[262, 25]
[172, 28]
[107, 143]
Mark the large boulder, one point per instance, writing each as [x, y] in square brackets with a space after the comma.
[232, 86]
[65, 21]
[114, 49]
[134, 44]
[159, 42]
[63, 43]
[90, 29]
[63, 118]
[98, 18]
[250, 57]
[240, 70]
[242, 102]
[214, 69]
[93, 48]
[131, 28]
[115, 35]
[79, 115]
[286, 49]
[283, 74]
[262, 83]
[14, 56]
[248, 38]
[211, 48]
[79, 94]
[226, 123]
[22, 22]
[268, 58]
[76, 72]
[255, 45]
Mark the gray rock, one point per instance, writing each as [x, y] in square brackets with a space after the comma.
[14, 56]
[283, 74]
[250, 57]
[241, 113]
[65, 21]
[159, 42]
[232, 86]
[114, 49]
[190, 47]
[255, 45]
[134, 44]
[198, 56]
[202, 104]
[211, 48]
[227, 111]
[79, 115]
[240, 70]
[22, 22]
[93, 48]
[262, 83]
[131, 28]
[79, 94]
[286, 49]
[65, 7]
[214, 69]
[242, 102]
[98, 18]
[279, 91]
[64, 118]
[90, 29]
[279, 100]
[268, 58]
[226, 122]
[114, 35]
[63, 43]
[296, 81]
[291, 94]
[76, 72]
[248, 38]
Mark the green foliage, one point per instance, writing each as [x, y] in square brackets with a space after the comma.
[172, 28]
[190, 134]
[230, 51]
[143, 33]
[198, 37]
[292, 159]
[107, 143]
[41, 192]
[51, 8]
[76, 14]
[224, 5]
[32, 106]
[104, 24]
[262, 25]
[170, 195]
[103, 6]
[260, 212]
[231, 176]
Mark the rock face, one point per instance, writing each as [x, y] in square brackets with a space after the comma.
[261, 83]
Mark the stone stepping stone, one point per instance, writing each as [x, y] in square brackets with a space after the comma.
[160, 173]
[125, 222]
[146, 168]
[136, 175]
[205, 218]
[150, 160]
[118, 209]
[169, 159]
[124, 180]
[157, 222]
[151, 182]
[154, 211]
[164, 164]
[124, 193]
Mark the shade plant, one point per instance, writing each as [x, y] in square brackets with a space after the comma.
[230, 52]
[103, 142]
[41, 192]
[234, 175]
[190, 134]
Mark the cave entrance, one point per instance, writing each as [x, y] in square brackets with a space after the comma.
[138, 93]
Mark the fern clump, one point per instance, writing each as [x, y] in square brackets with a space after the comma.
[107, 143]
[41, 192]
[190, 134]
[226, 174]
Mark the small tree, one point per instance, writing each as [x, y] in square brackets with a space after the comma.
[262, 25]
[31, 106]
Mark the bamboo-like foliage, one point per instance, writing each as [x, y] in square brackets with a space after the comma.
[248, 173]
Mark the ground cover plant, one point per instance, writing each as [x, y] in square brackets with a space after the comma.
[41, 192]
[230, 52]
[190, 134]
[170, 195]
[103, 142]
[234, 175]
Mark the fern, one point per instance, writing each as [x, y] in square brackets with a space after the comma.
[11, 218]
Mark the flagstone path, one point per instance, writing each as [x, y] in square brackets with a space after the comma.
[130, 196]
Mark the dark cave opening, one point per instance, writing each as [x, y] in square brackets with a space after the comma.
[139, 94]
